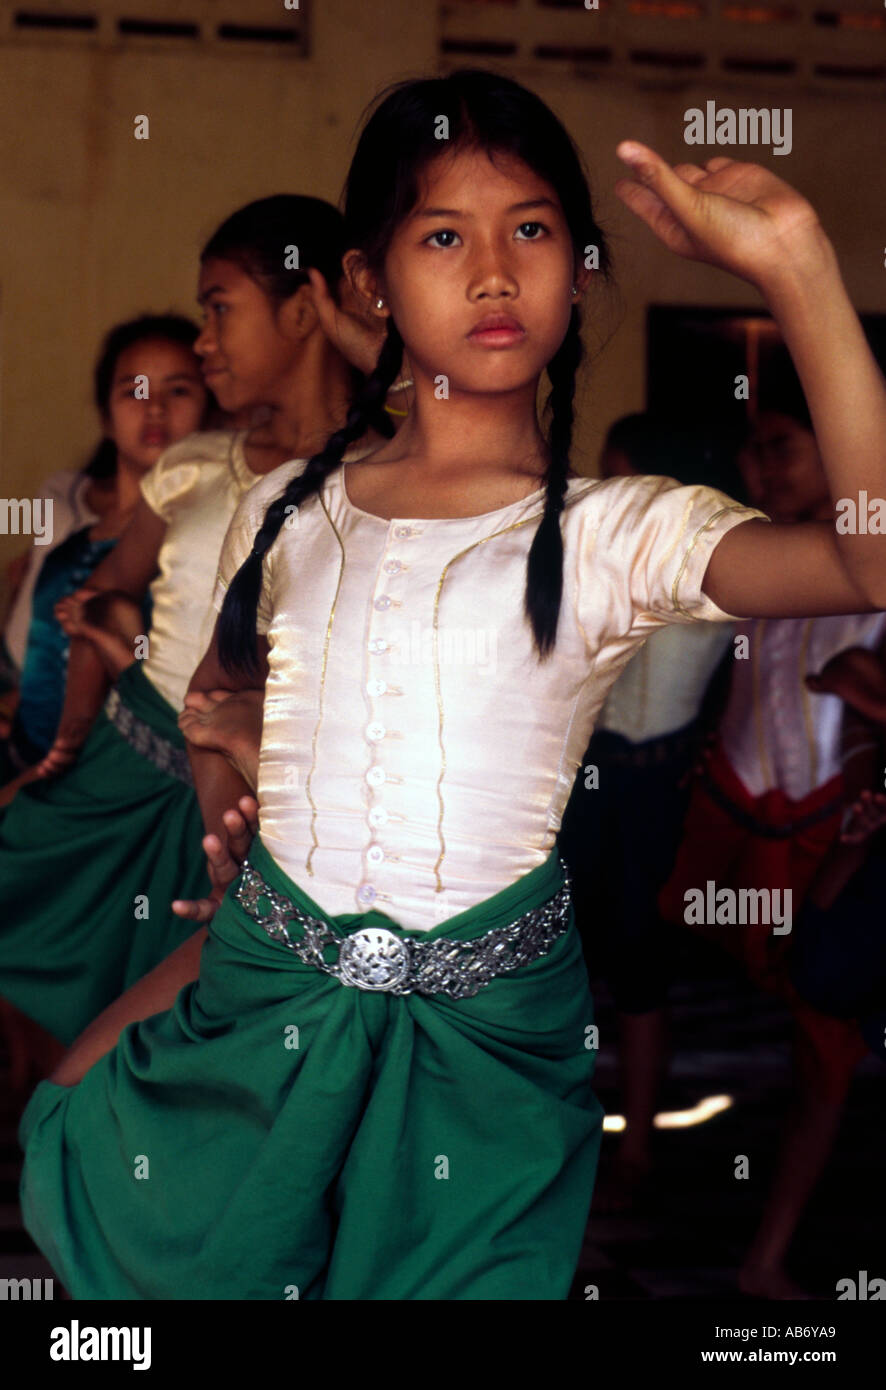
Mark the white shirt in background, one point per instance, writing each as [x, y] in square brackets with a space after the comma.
[776, 732]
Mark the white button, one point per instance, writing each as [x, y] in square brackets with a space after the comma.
[378, 644]
[375, 854]
[402, 530]
[366, 893]
[378, 816]
[392, 567]
[376, 687]
[375, 776]
[382, 603]
[375, 732]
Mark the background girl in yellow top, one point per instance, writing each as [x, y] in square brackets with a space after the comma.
[114, 794]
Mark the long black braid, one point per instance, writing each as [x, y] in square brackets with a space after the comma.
[236, 629]
[544, 570]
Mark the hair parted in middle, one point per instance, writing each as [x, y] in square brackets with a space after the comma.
[494, 115]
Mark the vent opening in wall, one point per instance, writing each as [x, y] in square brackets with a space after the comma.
[573, 53]
[660, 59]
[768, 67]
[870, 73]
[759, 14]
[157, 29]
[487, 48]
[850, 19]
[205, 25]
[798, 43]
[257, 33]
[72, 23]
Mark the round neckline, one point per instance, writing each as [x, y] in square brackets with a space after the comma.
[438, 520]
[239, 463]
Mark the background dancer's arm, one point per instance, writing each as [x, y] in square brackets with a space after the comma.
[129, 568]
[219, 785]
[151, 995]
[228, 722]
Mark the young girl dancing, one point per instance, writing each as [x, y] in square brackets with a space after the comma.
[383, 1089]
[122, 818]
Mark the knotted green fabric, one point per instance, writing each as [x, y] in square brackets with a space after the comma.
[89, 864]
[277, 1134]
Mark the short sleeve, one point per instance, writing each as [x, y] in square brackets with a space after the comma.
[168, 481]
[241, 533]
[657, 537]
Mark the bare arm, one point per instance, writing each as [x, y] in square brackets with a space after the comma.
[153, 994]
[762, 570]
[743, 219]
[132, 563]
[129, 567]
[218, 784]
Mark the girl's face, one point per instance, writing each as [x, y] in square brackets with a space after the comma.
[246, 351]
[792, 479]
[479, 276]
[176, 399]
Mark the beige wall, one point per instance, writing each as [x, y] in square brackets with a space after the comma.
[98, 226]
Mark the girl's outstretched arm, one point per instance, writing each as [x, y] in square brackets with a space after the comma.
[218, 784]
[744, 219]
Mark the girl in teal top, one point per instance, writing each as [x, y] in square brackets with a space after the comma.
[149, 393]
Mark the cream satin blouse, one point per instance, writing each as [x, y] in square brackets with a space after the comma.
[416, 757]
[195, 487]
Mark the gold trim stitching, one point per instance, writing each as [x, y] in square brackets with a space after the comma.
[329, 623]
[734, 507]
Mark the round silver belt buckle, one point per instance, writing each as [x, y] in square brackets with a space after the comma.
[373, 958]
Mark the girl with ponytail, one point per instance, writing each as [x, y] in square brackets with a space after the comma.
[113, 796]
[389, 1037]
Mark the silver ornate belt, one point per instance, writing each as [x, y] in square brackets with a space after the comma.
[377, 959]
[146, 741]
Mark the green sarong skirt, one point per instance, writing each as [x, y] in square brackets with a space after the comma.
[89, 864]
[277, 1134]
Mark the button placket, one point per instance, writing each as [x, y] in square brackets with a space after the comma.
[376, 731]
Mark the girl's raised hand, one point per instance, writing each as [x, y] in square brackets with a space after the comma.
[739, 217]
[348, 327]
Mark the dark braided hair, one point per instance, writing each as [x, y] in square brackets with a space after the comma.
[236, 634]
[495, 115]
[544, 570]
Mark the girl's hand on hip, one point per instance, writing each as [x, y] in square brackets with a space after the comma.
[736, 216]
[223, 860]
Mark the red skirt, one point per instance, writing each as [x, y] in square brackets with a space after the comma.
[742, 841]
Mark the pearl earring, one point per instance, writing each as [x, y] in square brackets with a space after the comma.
[574, 291]
[379, 304]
